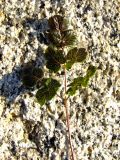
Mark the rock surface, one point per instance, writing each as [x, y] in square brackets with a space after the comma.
[29, 132]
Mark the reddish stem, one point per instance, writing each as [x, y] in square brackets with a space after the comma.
[67, 116]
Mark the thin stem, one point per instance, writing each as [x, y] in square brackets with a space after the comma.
[67, 116]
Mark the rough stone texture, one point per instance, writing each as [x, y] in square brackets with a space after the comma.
[29, 132]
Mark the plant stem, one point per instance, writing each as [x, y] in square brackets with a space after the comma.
[67, 116]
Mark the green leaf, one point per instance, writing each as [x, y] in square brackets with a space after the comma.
[59, 34]
[31, 75]
[62, 39]
[75, 85]
[58, 22]
[85, 81]
[71, 91]
[48, 91]
[68, 38]
[91, 71]
[54, 38]
[69, 64]
[81, 81]
[75, 55]
[54, 59]
[41, 96]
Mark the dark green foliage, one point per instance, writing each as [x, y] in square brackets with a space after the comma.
[58, 22]
[69, 64]
[81, 81]
[91, 71]
[55, 38]
[75, 85]
[54, 58]
[85, 81]
[68, 38]
[61, 38]
[48, 90]
[75, 55]
[60, 35]
[31, 75]
[58, 57]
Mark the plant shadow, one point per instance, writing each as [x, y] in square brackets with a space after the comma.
[39, 27]
[11, 84]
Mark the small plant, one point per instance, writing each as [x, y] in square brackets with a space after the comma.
[61, 55]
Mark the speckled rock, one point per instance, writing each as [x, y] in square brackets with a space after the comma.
[31, 132]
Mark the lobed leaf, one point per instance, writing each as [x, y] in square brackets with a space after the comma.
[58, 22]
[62, 39]
[75, 85]
[60, 35]
[85, 82]
[69, 64]
[54, 59]
[81, 81]
[75, 55]
[55, 38]
[91, 71]
[68, 38]
[31, 75]
[48, 91]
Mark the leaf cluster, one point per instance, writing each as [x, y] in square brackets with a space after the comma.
[81, 81]
[54, 58]
[60, 37]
